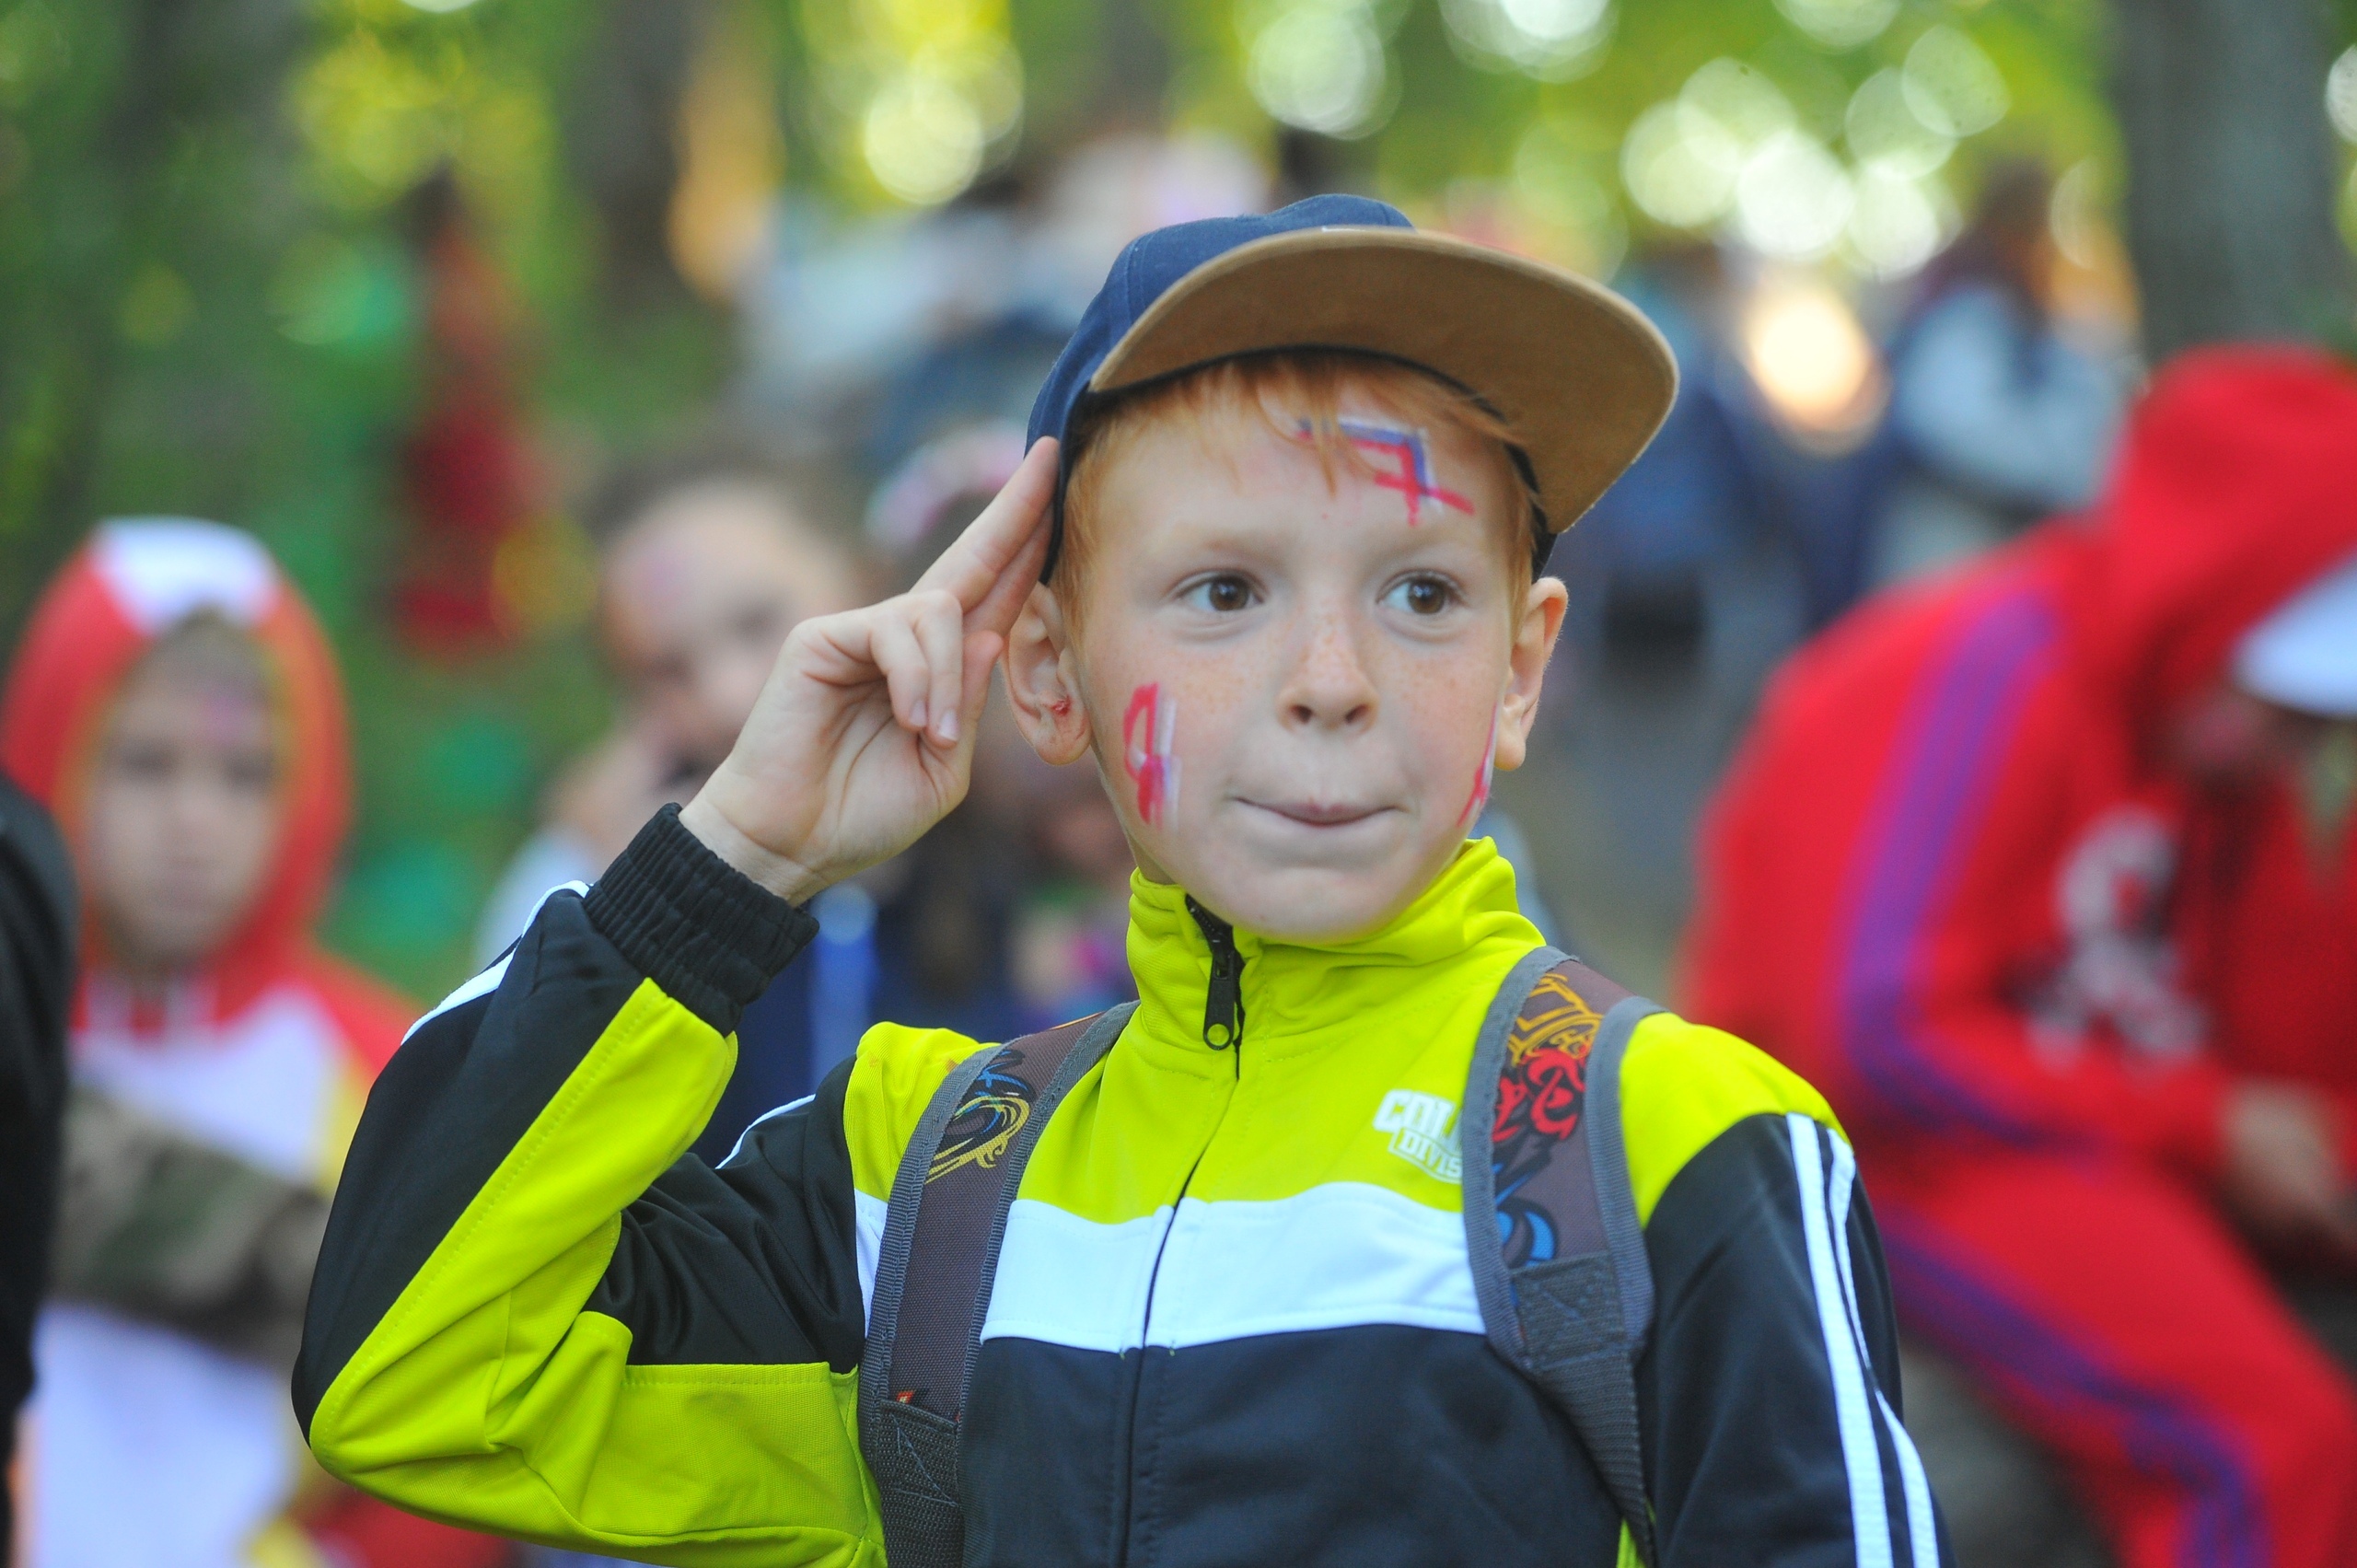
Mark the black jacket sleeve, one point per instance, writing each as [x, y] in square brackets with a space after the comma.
[36, 931]
[1768, 1393]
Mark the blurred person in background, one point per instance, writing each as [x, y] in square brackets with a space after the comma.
[175, 705]
[37, 924]
[1657, 549]
[2032, 870]
[707, 558]
[1996, 420]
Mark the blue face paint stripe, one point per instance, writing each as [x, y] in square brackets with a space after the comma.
[1935, 791]
[1966, 1315]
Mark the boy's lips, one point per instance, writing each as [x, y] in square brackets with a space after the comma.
[1316, 813]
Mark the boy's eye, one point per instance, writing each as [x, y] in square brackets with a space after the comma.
[1423, 595]
[1224, 594]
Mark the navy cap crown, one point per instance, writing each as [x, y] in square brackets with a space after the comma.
[1151, 263]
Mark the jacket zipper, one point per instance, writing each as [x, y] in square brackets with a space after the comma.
[1222, 1029]
[1223, 997]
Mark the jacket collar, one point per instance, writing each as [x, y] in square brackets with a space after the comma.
[1301, 996]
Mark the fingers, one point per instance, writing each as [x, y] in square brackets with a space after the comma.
[1004, 603]
[993, 543]
[941, 634]
[899, 660]
[917, 644]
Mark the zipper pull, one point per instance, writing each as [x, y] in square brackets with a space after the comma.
[1223, 998]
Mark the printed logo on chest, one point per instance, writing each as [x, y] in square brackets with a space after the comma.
[1424, 1133]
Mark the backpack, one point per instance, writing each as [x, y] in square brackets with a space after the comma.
[1557, 1256]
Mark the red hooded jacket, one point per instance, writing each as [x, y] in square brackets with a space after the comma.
[267, 1052]
[1948, 879]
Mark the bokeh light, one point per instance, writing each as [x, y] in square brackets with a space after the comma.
[1839, 24]
[922, 138]
[1319, 66]
[923, 95]
[1881, 128]
[1952, 85]
[1551, 40]
[1812, 360]
[2341, 95]
[1793, 199]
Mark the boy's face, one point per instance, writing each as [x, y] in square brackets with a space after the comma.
[699, 596]
[183, 814]
[1296, 692]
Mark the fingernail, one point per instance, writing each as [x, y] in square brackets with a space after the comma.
[949, 728]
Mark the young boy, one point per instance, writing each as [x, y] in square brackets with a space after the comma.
[176, 708]
[1291, 614]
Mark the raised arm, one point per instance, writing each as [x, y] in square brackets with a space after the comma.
[531, 1314]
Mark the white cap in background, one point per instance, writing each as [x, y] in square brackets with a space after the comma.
[2304, 656]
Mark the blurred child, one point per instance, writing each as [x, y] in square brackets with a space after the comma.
[176, 706]
[2015, 865]
[707, 559]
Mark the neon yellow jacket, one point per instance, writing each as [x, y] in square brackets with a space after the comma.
[1233, 1319]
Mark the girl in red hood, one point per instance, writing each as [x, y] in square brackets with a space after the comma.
[2013, 871]
[175, 707]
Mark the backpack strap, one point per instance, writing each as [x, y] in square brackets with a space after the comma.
[1550, 1223]
[942, 1231]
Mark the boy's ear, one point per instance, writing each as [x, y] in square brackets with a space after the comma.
[1534, 643]
[1043, 681]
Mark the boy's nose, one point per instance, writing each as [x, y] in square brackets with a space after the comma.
[1329, 688]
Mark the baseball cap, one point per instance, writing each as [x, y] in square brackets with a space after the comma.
[1577, 372]
[2303, 655]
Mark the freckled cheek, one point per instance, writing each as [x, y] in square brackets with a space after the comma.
[1443, 714]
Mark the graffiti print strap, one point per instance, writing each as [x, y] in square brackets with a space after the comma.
[942, 1232]
[1559, 1258]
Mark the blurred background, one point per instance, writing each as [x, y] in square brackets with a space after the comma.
[442, 299]
[398, 283]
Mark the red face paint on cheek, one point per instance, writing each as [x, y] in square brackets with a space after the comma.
[1480, 796]
[1146, 732]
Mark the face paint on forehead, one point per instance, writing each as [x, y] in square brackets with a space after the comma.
[1412, 474]
[1146, 733]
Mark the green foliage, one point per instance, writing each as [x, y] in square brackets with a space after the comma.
[210, 303]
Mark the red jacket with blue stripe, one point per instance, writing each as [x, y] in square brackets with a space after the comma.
[1950, 878]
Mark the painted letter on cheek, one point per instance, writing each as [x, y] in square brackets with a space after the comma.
[1145, 750]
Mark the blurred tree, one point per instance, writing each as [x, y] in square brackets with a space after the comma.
[2230, 169]
[141, 154]
[620, 126]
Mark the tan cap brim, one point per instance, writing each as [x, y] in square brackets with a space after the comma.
[1577, 372]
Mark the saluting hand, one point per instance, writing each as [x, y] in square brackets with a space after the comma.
[863, 736]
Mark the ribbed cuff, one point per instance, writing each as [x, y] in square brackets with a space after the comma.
[707, 934]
